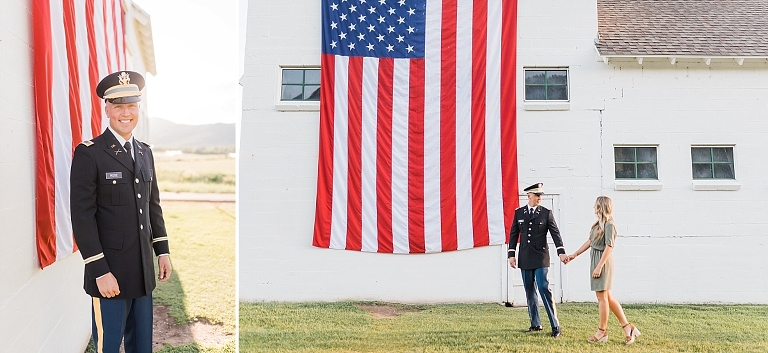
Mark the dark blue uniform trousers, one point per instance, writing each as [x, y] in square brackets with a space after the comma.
[114, 319]
[538, 278]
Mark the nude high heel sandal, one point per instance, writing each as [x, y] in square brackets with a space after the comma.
[602, 339]
[633, 333]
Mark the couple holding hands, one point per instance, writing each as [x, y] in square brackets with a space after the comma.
[530, 227]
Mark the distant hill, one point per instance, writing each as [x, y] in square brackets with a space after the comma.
[165, 135]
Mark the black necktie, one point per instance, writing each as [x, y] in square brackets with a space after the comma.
[128, 149]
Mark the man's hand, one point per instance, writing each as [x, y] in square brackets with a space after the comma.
[108, 285]
[564, 258]
[512, 262]
[164, 264]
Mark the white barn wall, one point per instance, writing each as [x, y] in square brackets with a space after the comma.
[675, 245]
[685, 243]
[277, 185]
[41, 310]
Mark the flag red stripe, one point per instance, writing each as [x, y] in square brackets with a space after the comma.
[448, 127]
[322, 236]
[508, 111]
[93, 68]
[354, 157]
[384, 155]
[416, 157]
[44, 183]
[75, 114]
[479, 57]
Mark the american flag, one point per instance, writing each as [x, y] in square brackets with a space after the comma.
[76, 43]
[417, 125]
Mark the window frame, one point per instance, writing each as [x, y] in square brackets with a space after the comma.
[712, 162]
[303, 83]
[545, 69]
[293, 105]
[635, 162]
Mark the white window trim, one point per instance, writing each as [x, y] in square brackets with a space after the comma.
[297, 106]
[548, 105]
[637, 185]
[294, 106]
[716, 184]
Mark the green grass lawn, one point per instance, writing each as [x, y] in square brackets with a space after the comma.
[343, 327]
[202, 240]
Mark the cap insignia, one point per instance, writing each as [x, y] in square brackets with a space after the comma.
[124, 78]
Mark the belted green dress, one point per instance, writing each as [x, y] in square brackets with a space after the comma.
[597, 245]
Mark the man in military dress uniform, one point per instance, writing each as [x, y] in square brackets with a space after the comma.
[117, 221]
[530, 227]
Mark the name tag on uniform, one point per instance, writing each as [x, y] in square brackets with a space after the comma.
[519, 221]
[114, 175]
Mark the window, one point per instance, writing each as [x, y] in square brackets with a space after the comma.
[635, 162]
[300, 85]
[713, 162]
[546, 85]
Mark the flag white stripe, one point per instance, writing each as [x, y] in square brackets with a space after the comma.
[101, 48]
[432, 216]
[82, 69]
[62, 134]
[496, 231]
[464, 124]
[340, 154]
[400, 109]
[109, 32]
[120, 35]
[369, 156]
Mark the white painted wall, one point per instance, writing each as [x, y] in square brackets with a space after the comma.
[277, 184]
[675, 244]
[41, 310]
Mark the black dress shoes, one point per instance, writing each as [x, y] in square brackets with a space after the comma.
[556, 332]
[534, 328]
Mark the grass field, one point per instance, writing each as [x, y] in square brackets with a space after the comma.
[343, 327]
[202, 240]
[199, 173]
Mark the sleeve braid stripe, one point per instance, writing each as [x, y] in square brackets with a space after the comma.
[159, 239]
[94, 258]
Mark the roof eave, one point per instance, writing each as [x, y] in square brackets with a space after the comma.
[673, 58]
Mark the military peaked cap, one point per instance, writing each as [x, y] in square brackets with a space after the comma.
[537, 189]
[121, 87]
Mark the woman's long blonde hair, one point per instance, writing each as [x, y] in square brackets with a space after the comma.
[604, 213]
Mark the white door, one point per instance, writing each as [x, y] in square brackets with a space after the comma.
[515, 291]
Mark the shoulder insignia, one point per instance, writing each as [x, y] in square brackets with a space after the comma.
[142, 142]
[87, 143]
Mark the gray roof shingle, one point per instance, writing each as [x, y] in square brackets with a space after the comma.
[683, 27]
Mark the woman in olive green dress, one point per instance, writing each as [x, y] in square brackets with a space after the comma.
[602, 238]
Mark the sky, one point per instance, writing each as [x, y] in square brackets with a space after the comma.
[198, 60]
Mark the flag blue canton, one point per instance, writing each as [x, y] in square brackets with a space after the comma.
[374, 28]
